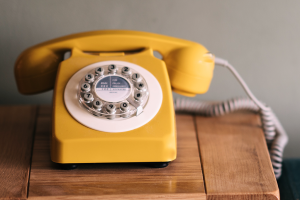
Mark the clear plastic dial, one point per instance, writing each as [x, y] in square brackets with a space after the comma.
[116, 96]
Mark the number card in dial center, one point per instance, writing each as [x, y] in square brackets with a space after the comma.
[113, 88]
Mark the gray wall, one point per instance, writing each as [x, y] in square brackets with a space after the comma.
[260, 38]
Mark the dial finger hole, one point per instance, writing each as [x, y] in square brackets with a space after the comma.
[85, 87]
[99, 71]
[136, 77]
[97, 104]
[112, 69]
[139, 85]
[89, 77]
[138, 96]
[111, 108]
[126, 70]
[88, 97]
[124, 106]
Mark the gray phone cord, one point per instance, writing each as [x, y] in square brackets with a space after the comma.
[275, 134]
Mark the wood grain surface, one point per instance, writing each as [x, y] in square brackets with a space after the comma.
[233, 153]
[182, 179]
[16, 136]
[235, 160]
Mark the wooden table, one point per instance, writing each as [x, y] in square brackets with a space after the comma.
[218, 158]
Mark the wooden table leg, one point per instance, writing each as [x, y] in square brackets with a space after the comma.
[17, 125]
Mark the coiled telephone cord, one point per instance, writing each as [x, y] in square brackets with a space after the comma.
[275, 134]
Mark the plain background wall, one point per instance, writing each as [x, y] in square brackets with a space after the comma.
[260, 38]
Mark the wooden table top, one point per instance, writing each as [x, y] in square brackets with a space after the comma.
[218, 158]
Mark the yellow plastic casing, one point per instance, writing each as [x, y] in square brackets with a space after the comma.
[186, 67]
[72, 142]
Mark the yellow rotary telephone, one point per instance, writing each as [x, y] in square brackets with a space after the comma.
[112, 98]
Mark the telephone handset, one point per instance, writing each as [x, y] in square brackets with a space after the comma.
[190, 65]
[113, 99]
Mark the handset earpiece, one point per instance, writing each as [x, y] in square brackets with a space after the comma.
[40, 76]
[190, 69]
